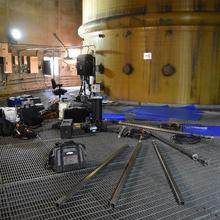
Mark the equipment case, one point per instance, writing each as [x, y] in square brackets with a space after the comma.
[67, 156]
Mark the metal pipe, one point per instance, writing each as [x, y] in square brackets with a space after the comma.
[57, 49]
[169, 175]
[55, 35]
[84, 181]
[191, 155]
[159, 129]
[124, 176]
[151, 128]
[121, 131]
[188, 153]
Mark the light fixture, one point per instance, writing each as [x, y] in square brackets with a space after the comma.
[15, 34]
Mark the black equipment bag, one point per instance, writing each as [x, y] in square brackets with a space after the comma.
[6, 127]
[78, 114]
[67, 156]
[30, 115]
[85, 65]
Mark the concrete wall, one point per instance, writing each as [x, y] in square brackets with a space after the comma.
[37, 20]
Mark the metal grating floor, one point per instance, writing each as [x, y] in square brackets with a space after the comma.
[29, 191]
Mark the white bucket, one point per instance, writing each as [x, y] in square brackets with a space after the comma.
[10, 114]
[62, 107]
[91, 80]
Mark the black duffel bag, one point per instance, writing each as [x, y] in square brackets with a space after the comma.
[6, 127]
[30, 115]
[67, 156]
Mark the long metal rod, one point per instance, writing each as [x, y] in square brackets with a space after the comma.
[124, 176]
[193, 156]
[66, 197]
[64, 47]
[61, 42]
[159, 129]
[188, 153]
[169, 175]
[121, 131]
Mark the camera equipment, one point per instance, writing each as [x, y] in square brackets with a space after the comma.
[66, 128]
[97, 110]
[85, 65]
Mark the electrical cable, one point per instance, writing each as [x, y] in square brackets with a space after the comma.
[185, 139]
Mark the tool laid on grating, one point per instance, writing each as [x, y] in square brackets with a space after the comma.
[185, 139]
[124, 176]
[193, 156]
[160, 129]
[169, 175]
[86, 179]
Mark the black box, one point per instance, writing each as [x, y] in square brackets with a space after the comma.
[85, 65]
[39, 106]
[66, 128]
[77, 114]
[36, 100]
[97, 110]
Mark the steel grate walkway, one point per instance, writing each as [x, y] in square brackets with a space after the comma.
[29, 191]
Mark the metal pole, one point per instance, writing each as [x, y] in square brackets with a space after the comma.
[124, 176]
[121, 131]
[67, 51]
[53, 65]
[191, 155]
[159, 129]
[79, 186]
[61, 42]
[169, 176]
[188, 153]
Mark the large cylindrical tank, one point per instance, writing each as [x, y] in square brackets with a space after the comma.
[180, 39]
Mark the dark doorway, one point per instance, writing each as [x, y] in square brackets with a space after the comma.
[46, 67]
[1, 66]
[2, 69]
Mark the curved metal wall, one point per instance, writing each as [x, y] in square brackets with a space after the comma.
[183, 37]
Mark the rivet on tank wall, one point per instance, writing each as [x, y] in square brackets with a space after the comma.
[100, 68]
[127, 68]
[168, 70]
[25, 42]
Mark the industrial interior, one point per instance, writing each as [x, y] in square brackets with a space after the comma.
[110, 109]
